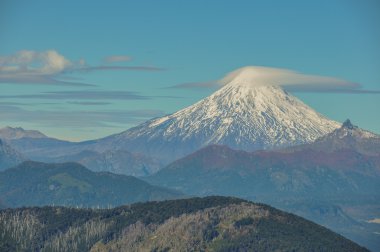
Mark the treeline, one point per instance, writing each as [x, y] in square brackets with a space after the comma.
[196, 224]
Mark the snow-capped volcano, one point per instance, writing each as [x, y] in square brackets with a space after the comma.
[242, 114]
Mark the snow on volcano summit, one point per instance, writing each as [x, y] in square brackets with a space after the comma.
[246, 113]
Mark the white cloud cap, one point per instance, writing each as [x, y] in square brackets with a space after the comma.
[268, 76]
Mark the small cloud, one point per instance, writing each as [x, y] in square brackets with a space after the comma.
[290, 80]
[34, 67]
[117, 58]
[34, 63]
[82, 62]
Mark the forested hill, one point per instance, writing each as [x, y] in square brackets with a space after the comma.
[71, 184]
[196, 224]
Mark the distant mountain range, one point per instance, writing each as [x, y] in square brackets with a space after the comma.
[47, 149]
[8, 133]
[221, 170]
[317, 169]
[208, 224]
[319, 180]
[118, 161]
[70, 184]
[35, 145]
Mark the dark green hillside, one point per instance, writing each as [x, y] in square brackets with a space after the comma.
[196, 224]
[71, 184]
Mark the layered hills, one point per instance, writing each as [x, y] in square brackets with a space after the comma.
[249, 139]
[321, 183]
[329, 166]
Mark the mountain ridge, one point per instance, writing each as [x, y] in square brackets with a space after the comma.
[348, 136]
[195, 224]
[37, 184]
[317, 183]
[10, 133]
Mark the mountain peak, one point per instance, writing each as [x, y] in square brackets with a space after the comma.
[246, 114]
[248, 75]
[350, 130]
[348, 125]
[10, 133]
[252, 77]
[347, 137]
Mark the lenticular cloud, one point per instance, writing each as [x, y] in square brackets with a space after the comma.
[268, 76]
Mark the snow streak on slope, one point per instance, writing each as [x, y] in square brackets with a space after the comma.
[242, 114]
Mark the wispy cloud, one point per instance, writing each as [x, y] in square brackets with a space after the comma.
[86, 95]
[117, 58]
[193, 85]
[82, 95]
[332, 89]
[291, 80]
[13, 103]
[75, 118]
[50, 67]
[89, 103]
[122, 68]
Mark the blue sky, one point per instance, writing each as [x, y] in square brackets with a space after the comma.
[94, 68]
